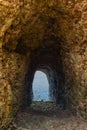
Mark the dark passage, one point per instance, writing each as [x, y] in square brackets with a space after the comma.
[50, 87]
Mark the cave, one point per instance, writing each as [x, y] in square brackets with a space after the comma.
[50, 37]
[47, 60]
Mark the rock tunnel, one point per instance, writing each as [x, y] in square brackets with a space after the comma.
[50, 36]
[47, 60]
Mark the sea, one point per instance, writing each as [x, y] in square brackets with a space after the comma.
[40, 87]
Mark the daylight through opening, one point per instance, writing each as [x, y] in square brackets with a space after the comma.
[40, 87]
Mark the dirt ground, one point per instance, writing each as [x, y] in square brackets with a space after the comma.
[46, 116]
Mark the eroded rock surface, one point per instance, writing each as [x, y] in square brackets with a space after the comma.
[50, 36]
[46, 116]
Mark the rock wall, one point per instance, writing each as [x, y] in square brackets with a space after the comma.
[26, 26]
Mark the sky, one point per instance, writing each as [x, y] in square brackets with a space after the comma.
[40, 87]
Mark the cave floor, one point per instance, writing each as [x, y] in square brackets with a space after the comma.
[46, 116]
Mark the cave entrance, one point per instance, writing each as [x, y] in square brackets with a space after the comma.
[48, 62]
[42, 91]
[40, 87]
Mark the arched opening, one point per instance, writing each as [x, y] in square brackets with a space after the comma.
[40, 87]
[43, 93]
[49, 63]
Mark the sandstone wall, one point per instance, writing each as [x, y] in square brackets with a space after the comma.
[29, 25]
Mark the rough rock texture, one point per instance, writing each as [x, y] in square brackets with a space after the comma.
[49, 118]
[48, 35]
